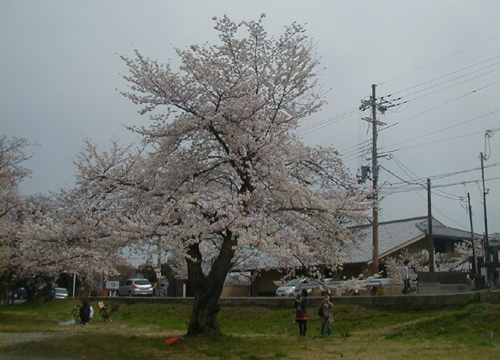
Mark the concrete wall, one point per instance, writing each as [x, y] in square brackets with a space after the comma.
[412, 300]
[391, 301]
[402, 301]
[236, 291]
[437, 288]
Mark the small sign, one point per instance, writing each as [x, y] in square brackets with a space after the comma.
[112, 285]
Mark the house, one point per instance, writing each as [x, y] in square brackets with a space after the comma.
[397, 235]
[394, 237]
[494, 255]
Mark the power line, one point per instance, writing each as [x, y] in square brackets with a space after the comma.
[326, 122]
[417, 187]
[450, 86]
[414, 187]
[388, 150]
[345, 115]
[461, 172]
[443, 104]
[436, 142]
[362, 148]
[446, 82]
[442, 59]
[446, 128]
[449, 74]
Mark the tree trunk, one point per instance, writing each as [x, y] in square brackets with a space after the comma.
[208, 288]
[204, 316]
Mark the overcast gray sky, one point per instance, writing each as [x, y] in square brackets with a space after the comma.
[60, 71]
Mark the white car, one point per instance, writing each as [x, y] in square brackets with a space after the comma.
[60, 293]
[288, 289]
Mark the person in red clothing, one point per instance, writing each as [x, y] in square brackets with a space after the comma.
[301, 312]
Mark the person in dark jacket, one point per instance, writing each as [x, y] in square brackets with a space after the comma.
[301, 312]
[327, 317]
[85, 313]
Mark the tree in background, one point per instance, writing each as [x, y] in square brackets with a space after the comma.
[42, 237]
[60, 234]
[221, 176]
[456, 261]
[12, 173]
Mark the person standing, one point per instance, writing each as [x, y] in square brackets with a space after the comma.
[301, 312]
[327, 317]
[405, 275]
[13, 295]
[85, 313]
[91, 312]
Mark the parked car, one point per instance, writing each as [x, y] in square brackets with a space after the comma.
[378, 282]
[313, 286]
[19, 293]
[334, 287]
[134, 287]
[60, 293]
[288, 289]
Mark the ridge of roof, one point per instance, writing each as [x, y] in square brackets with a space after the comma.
[417, 218]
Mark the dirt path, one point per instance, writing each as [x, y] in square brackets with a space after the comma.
[14, 338]
[7, 339]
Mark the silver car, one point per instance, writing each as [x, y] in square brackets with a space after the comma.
[60, 293]
[288, 289]
[314, 287]
[134, 287]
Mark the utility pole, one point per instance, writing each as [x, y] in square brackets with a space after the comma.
[158, 268]
[382, 107]
[474, 256]
[430, 238]
[375, 181]
[487, 135]
[486, 240]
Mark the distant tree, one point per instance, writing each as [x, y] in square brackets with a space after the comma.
[457, 261]
[12, 173]
[42, 237]
[147, 271]
[56, 235]
[221, 177]
[126, 271]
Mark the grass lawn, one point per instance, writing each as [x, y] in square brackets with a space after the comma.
[468, 332]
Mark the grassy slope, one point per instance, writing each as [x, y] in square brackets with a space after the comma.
[260, 333]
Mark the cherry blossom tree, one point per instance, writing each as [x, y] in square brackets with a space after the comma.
[55, 235]
[221, 176]
[458, 261]
[12, 173]
[42, 237]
